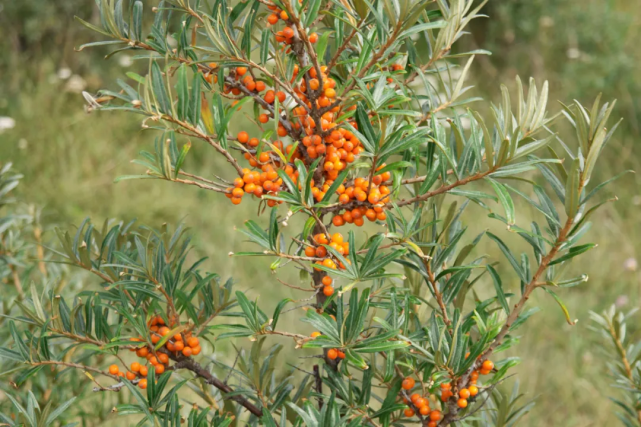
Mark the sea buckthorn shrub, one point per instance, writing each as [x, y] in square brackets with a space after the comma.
[355, 114]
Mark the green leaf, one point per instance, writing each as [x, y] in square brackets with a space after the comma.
[183, 93]
[572, 189]
[59, 411]
[505, 199]
[577, 250]
[194, 100]
[158, 85]
[498, 286]
[279, 308]
[566, 313]
[510, 257]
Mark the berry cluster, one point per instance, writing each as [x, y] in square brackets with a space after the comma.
[422, 404]
[337, 145]
[185, 344]
[336, 242]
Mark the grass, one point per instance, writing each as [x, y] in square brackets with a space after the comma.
[70, 160]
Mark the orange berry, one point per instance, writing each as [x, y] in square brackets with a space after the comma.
[142, 352]
[332, 354]
[408, 383]
[135, 367]
[425, 410]
[187, 351]
[163, 331]
[462, 403]
[263, 118]
[328, 291]
[316, 334]
[474, 390]
[193, 342]
[310, 251]
[464, 393]
[341, 355]
[144, 371]
[272, 19]
[163, 358]
[142, 384]
[153, 360]
[338, 221]
[432, 424]
[488, 365]
[436, 415]
[159, 369]
[288, 32]
[281, 96]
[313, 37]
[327, 281]
[130, 376]
[329, 263]
[243, 137]
[241, 71]
[284, 16]
[195, 350]
[446, 386]
[113, 369]
[409, 412]
[270, 96]
[236, 200]
[260, 86]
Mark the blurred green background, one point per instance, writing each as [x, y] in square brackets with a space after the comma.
[583, 47]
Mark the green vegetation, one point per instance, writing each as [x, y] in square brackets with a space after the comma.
[582, 47]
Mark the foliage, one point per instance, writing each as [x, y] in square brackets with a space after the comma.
[624, 362]
[396, 313]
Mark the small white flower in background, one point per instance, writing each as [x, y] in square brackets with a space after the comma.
[573, 53]
[23, 144]
[630, 264]
[621, 301]
[64, 73]
[75, 84]
[125, 61]
[6, 123]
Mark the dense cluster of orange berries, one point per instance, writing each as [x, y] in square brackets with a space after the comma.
[421, 403]
[332, 353]
[376, 193]
[336, 242]
[186, 344]
[471, 389]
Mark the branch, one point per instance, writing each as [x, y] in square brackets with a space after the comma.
[624, 359]
[443, 189]
[513, 316]
[196, 368]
